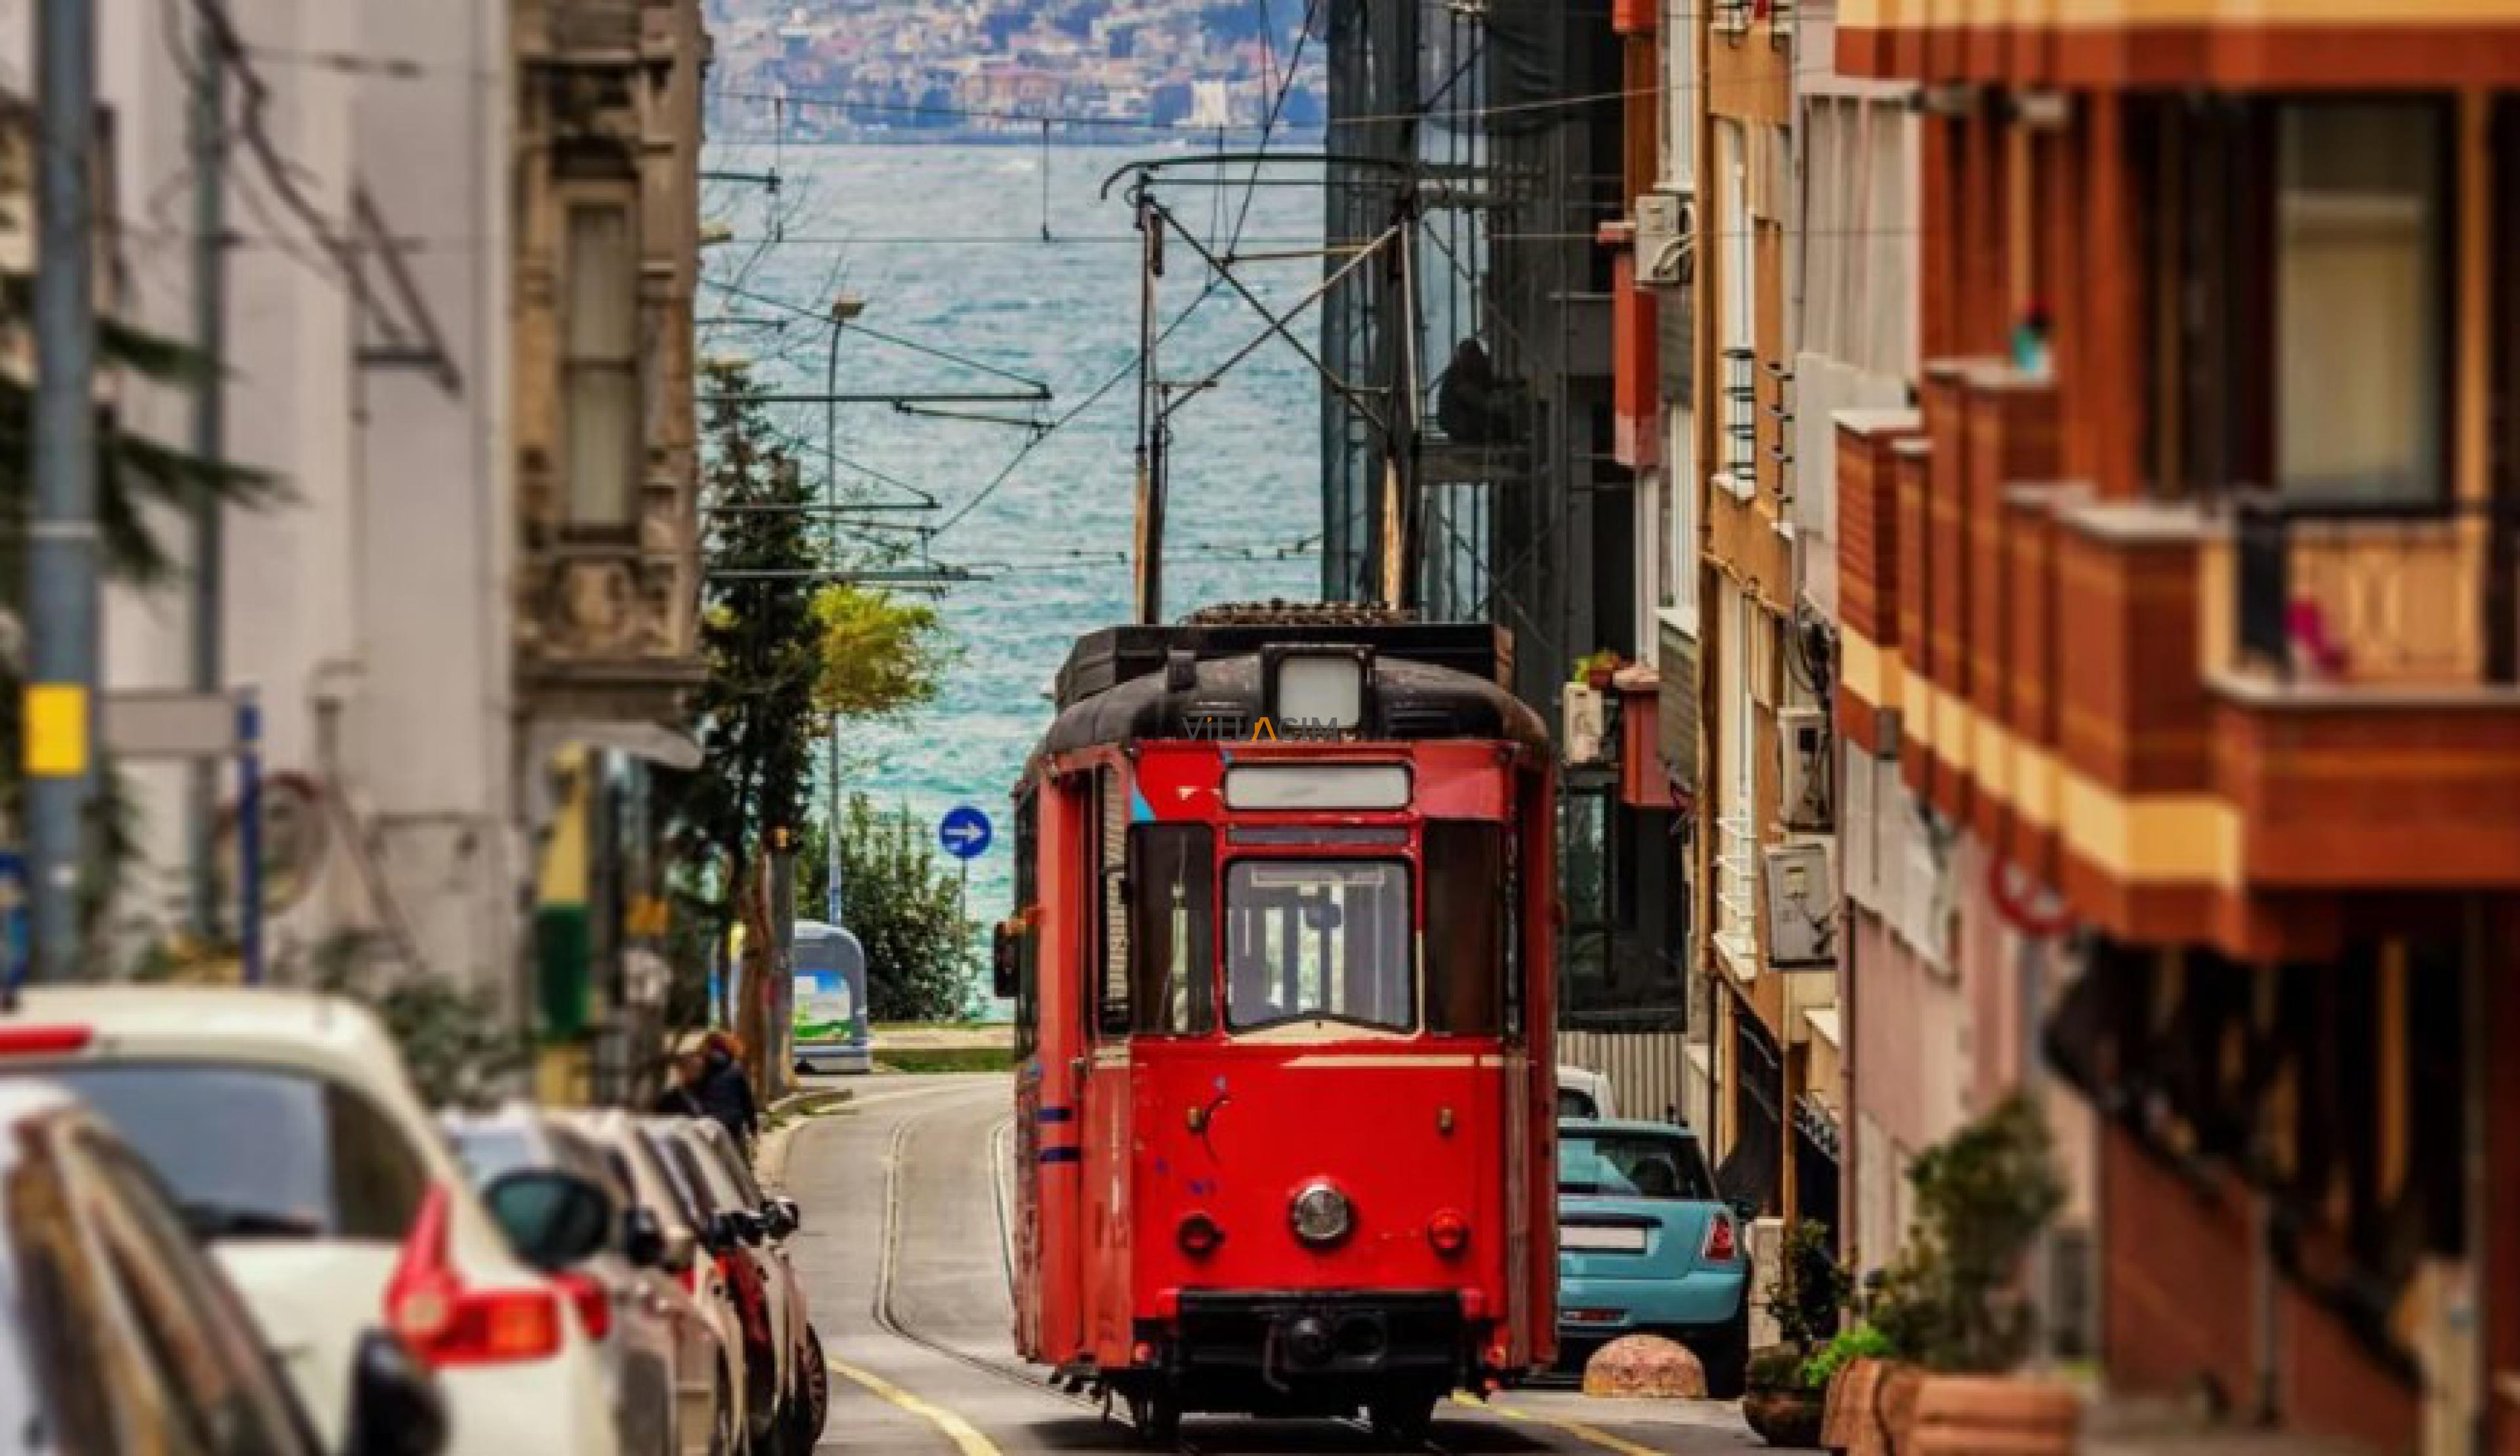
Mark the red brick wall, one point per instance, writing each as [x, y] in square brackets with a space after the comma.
[2335, 1389]
[2175, 1278]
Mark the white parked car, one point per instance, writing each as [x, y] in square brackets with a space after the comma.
[689, 1257]
[1584, 1094]
[120, 1334]
[292, 1140]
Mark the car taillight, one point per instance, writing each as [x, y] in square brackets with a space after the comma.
[692, 1278]
[593, 1300]
[1449, 1232]
[44, 1041]
[1720, 1248]
[445, 1323]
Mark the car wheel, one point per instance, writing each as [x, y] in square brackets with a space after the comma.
[809, 1406]
[1726, 1360]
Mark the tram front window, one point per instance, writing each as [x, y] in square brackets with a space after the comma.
[1319, 940]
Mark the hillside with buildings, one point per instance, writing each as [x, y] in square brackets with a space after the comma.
[976, 69]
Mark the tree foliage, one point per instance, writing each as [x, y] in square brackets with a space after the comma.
[141, 485]
[905, 909]
[881, 655]
[760, 638]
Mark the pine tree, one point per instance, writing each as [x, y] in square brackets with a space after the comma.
[761, 641]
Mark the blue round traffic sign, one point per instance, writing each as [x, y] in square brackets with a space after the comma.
[965, 831]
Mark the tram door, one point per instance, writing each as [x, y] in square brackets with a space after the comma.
[1101, 1095]
[1047, 1091]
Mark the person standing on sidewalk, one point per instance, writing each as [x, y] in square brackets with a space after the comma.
[681, 1096]
[724, 1092]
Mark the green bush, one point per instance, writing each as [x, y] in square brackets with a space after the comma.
[907, 910]
[1859, 1342]
[1810, 1287]
[1952, 1301]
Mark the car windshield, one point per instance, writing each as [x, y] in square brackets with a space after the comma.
[255, 1152]
[1319, 939]
[1631, 1165]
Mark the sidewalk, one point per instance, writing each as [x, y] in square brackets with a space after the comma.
[1633, 1427]
[2149, 1428]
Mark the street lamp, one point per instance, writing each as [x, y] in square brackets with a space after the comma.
[845, 308]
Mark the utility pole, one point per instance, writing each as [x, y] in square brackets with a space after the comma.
[844, 308]
[61, 555]
[1150, 420]
[208, 141]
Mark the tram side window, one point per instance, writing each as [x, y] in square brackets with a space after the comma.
[1464, 927]
[1110, 855]
[1172, 929]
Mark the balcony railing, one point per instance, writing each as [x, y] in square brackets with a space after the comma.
[2379, 594]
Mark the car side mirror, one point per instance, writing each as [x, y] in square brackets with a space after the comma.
[681, 1248]
[643, 1238]
[551, 1218]
[794, 1213]
[1006, 961]
[750, 1228]
[396, 1408]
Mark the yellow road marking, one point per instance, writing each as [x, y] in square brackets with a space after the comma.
[1576, 1428]
[966, 1437]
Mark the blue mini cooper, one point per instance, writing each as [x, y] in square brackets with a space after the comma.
[1645, 1247]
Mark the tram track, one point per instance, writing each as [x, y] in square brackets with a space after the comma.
[889, 1317]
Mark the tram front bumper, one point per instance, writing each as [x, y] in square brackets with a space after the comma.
[1300, 1335]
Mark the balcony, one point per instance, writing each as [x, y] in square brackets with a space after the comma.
[2230, 44]
[2362, 664]
[2248, 724]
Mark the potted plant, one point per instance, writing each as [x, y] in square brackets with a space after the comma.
[1598, 669]
[1952, 1307]
[1786, 1395]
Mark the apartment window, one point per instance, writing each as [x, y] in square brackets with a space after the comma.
[1737, 836]
[2361, 299]
[1736, 422]
[600, 364]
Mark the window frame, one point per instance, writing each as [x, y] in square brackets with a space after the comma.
[1413, 955]
[573, 198]
[1199, 1013]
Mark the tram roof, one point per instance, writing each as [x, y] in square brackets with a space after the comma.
[1408, 700]
[1115, 655]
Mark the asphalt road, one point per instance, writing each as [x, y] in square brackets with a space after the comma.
[904, 1257]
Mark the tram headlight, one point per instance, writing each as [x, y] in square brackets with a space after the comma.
[1322, 1214]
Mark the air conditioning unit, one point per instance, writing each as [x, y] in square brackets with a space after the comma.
[1801, 904]
[1809, 796]
[1584, 725]
[1664, 240]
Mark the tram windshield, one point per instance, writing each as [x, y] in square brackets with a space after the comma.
[1319, 940]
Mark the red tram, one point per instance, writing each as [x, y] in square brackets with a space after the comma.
[1282, 955]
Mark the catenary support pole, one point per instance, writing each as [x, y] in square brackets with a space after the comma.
[209, 145]
[62, 554]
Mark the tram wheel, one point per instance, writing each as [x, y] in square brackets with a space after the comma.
[1407, 1420]
[1157, 1414]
